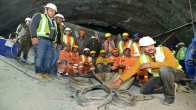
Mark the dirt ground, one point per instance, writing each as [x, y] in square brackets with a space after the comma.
[19, 91]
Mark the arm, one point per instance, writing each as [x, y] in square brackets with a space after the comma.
[34, 25]
[131, 71]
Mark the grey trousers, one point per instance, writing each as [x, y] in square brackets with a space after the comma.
[165, 83]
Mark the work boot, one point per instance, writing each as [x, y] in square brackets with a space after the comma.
[46, 76]
[39, 75]
[169, 100]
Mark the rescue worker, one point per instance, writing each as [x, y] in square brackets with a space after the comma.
[126, 42]
[126, 60]
[58, 45]
[103, 63]
[159, 62]
[24, 39]
[60, 27]
[115, 59]
[86, 63]
[94, 44]
[94, 56]
[81, 40]
[108, 44]
[44, 32]
[181, 53]
[64, 61]
[75, 57]
[135, 47]
[68, 39]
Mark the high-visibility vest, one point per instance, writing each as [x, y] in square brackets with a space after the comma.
[68, 40]
[159, 57]
[86, 59]
[136, 50]
[43, 28]
[122, 46]
[181, 53]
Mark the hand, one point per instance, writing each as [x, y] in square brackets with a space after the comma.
[116, 83]
[145, 66]
[34, 40]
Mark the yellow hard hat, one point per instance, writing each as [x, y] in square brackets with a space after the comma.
[108, 35]
[125, 34]
[102, 51]
[93, 51]
[75, 46]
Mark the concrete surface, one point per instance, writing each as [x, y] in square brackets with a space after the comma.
[19, 91]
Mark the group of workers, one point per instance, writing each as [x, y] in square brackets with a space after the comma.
[130, 57]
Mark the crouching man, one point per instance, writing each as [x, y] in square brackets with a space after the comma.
[161, 64]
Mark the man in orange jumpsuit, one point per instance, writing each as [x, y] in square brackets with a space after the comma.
[126, 60]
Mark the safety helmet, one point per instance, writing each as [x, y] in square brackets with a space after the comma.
[108, 35]
[92, 52]
[27, 19]
[180, 44]
[60, 16]
[125, 34]
[102, 51]
[93, 37]
[146, 41]
[67, 29]
[51, 5]
[86, 49]
[75, 46]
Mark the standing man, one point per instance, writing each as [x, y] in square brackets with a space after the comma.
[126, 42]
[58, 44]
[181, 53]
[81, 40]
[44, 32]
[108, 44]
[94, 45]
[24, 39]
[161, 64]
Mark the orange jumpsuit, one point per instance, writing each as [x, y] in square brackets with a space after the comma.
[116, 62]
[127, 61]
[85, 64]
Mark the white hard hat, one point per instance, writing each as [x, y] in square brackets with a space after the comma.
[67, 29]
[27, 19]
[93, 37]
[146, 41]
[60, 16]
[86, 49]
[51, 5]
